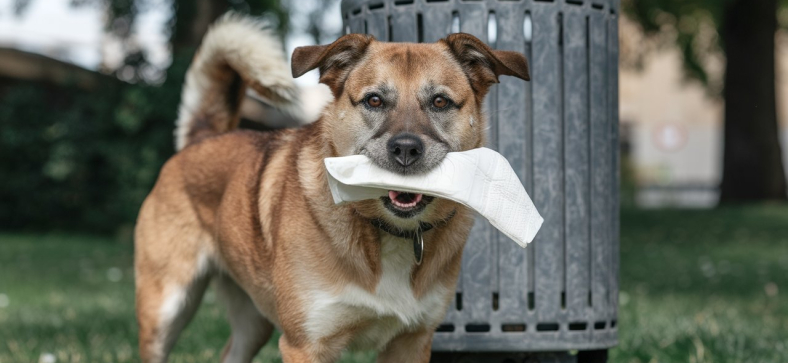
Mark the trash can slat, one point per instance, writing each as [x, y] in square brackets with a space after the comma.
[377, 24]
[548, 162]
[513, 141]
[356, 25]
[437, 23]
[615, 187]
[403, 26]
[473, 20]
[601, 167]
[477, 260]
[576, 164]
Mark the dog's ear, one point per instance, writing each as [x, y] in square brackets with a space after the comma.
[335, 60]
[483, 64]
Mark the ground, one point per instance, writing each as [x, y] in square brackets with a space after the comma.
[696, 286]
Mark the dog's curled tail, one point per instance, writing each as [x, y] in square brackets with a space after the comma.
[235, 53]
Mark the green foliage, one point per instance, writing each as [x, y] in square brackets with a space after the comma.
[76, 159]
[683, 19]
[696, 286]
[685, 23]
[84, 160]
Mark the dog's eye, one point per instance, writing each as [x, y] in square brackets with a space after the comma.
[374, 101]
[440, 102]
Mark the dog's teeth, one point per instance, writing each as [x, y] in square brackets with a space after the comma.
[397, 199]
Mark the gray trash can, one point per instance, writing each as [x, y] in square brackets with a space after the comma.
[560, 133]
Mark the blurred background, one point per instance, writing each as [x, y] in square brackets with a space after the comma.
[88, 97]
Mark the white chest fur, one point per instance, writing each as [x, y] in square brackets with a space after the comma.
[390, 310]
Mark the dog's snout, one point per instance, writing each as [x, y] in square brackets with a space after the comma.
[405, 148]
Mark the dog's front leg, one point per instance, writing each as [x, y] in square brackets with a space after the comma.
[303, 352]
[410, 347]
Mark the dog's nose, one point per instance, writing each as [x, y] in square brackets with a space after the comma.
[405, 148]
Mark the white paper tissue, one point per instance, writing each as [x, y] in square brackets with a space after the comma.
[480, 179]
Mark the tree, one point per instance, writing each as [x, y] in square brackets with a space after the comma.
[74, 158]
[752, 160]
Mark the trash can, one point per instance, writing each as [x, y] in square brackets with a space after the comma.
[560, 133]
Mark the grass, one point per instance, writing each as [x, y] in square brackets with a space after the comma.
[704, 286]
[696, 286]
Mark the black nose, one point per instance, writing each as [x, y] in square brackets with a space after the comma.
[406, 149]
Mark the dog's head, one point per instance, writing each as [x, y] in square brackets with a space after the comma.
[406, 105]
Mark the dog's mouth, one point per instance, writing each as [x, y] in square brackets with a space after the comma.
[404, 200]
[404, 204]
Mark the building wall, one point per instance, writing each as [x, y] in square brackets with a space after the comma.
[675, 127]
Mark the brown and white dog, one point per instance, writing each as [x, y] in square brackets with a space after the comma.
[253, 209]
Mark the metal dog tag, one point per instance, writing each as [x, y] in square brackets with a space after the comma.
[418, 246]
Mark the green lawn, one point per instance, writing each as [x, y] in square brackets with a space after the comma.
[696, 286]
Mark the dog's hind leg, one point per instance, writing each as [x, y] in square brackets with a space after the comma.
[164, 308]
[250, 330]
[173, 265]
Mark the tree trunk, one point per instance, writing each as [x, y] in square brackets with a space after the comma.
[752, 161]
[192, 19]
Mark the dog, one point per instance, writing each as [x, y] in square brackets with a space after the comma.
[252, 210]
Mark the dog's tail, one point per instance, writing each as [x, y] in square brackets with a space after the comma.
[236, 53]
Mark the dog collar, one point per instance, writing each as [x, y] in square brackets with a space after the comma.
[414, 235]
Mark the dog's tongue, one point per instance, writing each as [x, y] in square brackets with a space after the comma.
[403, 199]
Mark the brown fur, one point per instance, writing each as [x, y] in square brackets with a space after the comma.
[256, 208]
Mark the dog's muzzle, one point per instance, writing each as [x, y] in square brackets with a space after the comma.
[405, 149]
